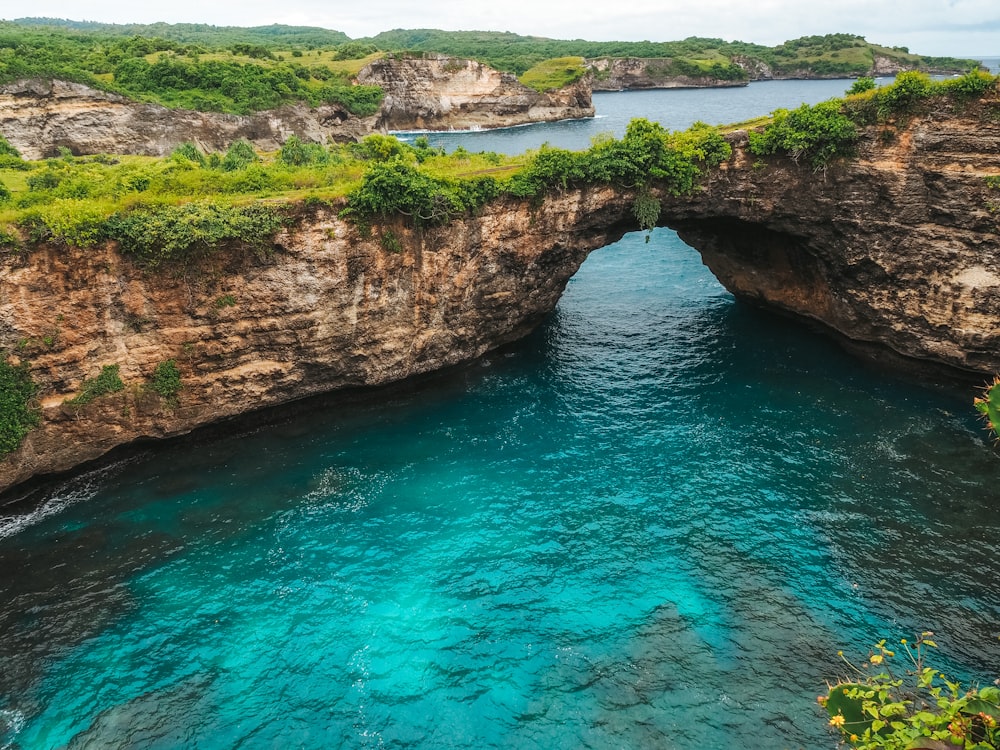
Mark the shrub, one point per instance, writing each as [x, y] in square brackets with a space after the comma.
[396, 188]
[817, 133]
[109, 381]
[861, 85]
[175, 233]
[8, 150]
[972, 85]
[166, 381]
[295, 153]
[44, 180]
[240, 155]
[876, 707]
[17, 416]
[903, 95]
[550, 169]
[5, 194]
[79, 223]
[379, 148]
[361, 100]
[189, 152]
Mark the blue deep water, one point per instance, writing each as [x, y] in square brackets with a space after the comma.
[650, 524]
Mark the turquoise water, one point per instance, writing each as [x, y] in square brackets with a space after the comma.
[650, 524]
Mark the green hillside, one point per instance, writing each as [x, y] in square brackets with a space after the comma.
[200, 33]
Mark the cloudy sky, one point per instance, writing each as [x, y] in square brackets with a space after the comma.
[931, 27]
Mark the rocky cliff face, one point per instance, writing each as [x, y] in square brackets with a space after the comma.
[437, 92]
[40, 117]
[328, 309]
[627, 73]
[896, 250]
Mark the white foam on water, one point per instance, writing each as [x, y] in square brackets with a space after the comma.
[14, 721]
[74, 490]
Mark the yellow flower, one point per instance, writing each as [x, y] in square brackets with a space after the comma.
[837, 721]
[876, 659]
[854, 738]
[903, 641]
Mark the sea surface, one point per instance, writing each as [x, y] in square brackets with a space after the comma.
[650, 524]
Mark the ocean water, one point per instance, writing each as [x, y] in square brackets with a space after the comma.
[675, 109]
[650, 524]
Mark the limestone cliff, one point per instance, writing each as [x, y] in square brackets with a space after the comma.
[628, 73]
[437, 92]
[897, 250]
[40, 117]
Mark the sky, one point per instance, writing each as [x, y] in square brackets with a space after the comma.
[961, 28]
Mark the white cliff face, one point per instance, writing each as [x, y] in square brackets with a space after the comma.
[437, 92]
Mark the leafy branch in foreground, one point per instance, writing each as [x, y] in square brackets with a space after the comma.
[108, 381]
[989, 406]
[919, 708]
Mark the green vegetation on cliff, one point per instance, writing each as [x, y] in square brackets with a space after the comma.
[108, 381]
[554, 74]
[170, 210]
[822, 132]
[17, 415]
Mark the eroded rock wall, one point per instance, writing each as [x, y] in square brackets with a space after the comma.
[328, 309]
[898, 248]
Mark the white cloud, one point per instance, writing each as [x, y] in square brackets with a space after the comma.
[957, 27]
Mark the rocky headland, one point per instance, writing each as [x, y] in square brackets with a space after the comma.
[437, 92]
[895, 250]
[635, 73]
[432, 92]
